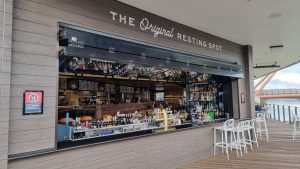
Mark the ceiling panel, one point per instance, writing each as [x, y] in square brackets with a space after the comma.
[260, 23]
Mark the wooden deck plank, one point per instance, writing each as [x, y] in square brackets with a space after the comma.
[280, 152]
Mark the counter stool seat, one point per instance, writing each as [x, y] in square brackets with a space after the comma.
[241, 142]
[248, 140]
[252, 133]
[261, 125]
[296, 119]
[228, 127]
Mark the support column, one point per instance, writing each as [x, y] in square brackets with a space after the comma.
[249, 80]
[5, 72]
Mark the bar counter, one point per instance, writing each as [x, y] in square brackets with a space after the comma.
[73, 145]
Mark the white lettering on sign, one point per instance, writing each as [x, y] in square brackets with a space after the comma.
[114, 14]
[195, 41]
[75, 43]
[131, 21]
[146, 25]
[122, 18]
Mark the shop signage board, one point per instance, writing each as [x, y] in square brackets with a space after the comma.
[145, 24]
[33, 102]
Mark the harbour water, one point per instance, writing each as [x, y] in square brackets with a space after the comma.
[284, 108]
[286, 102]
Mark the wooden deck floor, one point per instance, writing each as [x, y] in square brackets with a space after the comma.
[280, 153]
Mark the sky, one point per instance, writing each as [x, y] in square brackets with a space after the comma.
[288, 78]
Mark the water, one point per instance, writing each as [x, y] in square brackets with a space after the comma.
[287, 102]
[286, 108]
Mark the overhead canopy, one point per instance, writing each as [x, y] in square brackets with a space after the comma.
[84, 43]
[260, 24]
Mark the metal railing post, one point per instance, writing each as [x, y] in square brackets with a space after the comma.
[283, 112]
[296, 112]
[289, 109]
[278, 111]
[274, 111]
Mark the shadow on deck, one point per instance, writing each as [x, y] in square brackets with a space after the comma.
[280, 153]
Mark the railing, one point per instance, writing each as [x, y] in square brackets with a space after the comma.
[282, 113]
[280, 91]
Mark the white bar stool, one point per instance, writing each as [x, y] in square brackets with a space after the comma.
[251, 127]
[296, 119]
[240, 137]
[261, 120]
[228, 126]
[248, 140]
[219, 144]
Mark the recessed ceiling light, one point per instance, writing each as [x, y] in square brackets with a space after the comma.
[275, 15]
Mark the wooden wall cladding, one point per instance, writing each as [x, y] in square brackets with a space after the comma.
[5, 78]
[167, 151]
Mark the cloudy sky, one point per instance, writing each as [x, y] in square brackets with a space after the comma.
[288, 78]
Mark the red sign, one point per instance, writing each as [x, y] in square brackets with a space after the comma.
[33, 102]
[243, 97]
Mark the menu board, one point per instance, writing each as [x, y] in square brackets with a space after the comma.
[33, 102]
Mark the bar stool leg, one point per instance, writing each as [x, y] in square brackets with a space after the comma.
[226, 145]
[231, 133]
[250, 139]
[222, 142]
[259, 130]
[266, 129]
[244, 142]
[239, 145]
[295, 130]
[215, 135]
[255, 137]
[215, 142]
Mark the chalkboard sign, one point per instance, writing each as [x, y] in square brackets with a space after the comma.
[33, 102]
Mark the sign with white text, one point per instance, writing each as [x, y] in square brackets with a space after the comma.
[33, 102]
[146, 25]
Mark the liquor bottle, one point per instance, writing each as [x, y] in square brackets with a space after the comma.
[110, 124]
[126, 119]
[98, 124]
[86, 124]
[217, 113]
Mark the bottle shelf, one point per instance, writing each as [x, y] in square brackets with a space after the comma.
[199, 83]
[204, 92]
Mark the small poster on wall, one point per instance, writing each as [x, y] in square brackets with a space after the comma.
[243, 97]
[33, 102]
